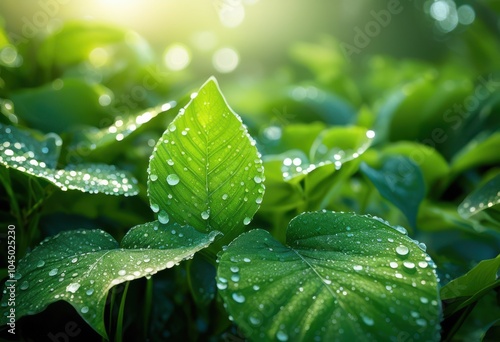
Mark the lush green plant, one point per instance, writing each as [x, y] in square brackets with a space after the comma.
[280, 235]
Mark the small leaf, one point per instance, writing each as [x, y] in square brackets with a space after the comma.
[205, 170]
[23, 152]
[81, 266]
[340, 277]
[480, 151]
[401, 182]
[93, 138]
[482, 198]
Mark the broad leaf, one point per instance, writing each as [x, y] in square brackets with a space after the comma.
[24, 152]
[205, 170]
[401, 182]
[51, 108]
[482, 198]
[339, 277]
[81, 266]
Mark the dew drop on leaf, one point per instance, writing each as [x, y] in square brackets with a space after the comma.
[153, 177]
[238, 297]
[163, 217]
[24, 285]
[73, 287]
[173, 179]
[85, 309]
[246, 221]
[155, 207]
[281, 336]
[53, 272]
[402, 250]
[40, 263]
[205, 215]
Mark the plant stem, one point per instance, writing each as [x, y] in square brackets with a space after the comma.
[147, 307]
[119, 323]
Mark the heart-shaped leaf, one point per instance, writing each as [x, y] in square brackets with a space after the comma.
[81, 266]
[482, 198]
[23, 152]
[340, 277]
[205, 170]
[401, 182]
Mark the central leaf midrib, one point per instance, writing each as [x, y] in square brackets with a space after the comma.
[315, 271]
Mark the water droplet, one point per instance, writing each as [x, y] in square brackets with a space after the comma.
[73, 287]
[402, 250]
[238, 297]
[224, 197]
[246, 221]
[74, 260]
[85, 309]
[24, 285]
[153, 177]
[89, 292]
[53, 272]
[327, 281]
[155, 207]
[409, 265]
[357, 267]
[257, 179]
[221, 286]
[367, 320]
[122, 272]
[235, 269]
[281, 336]
[205, 215]
[393, 264]
[172, 127]
[254, 319]
[424, 300]
[246, 260]
[170, 264]
[423, 264]
[40, 263]
[163, 217]
[170, 162]
[173, 179]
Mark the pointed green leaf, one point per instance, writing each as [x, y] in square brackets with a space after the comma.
[482, 198]
[205, 170]
[480, 151]
[340, 277]
[482, 276]
[401, 182]
[22, 151]
[81, 266]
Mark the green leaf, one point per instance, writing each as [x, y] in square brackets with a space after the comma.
[52, 107]
[482, 198]
[81, 266]
[401, 182]
[340, 277]
[481, 277]
[76, 40]
[432, 164]
[93, 138]
[205, 170]
[201, 280]
[38, 157]
[479, 151]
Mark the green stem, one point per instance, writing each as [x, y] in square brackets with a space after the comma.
[147, 307]
[111, 305]
[119, 323]
[16, 211]
[459, 321]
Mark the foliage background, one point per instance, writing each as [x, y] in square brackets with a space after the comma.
[292, 68]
